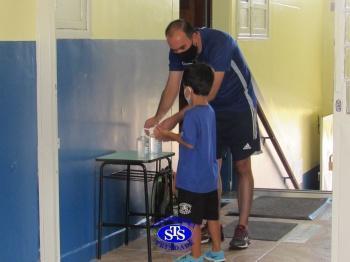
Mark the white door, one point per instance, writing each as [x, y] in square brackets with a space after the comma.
[341, 179]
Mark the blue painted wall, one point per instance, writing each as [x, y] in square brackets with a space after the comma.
[311, 179]
[106, 89]
[19, 219]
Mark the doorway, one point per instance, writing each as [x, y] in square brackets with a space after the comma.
[198, 14]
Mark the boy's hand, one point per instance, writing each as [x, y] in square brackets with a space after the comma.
[184, 143]
[160, 134]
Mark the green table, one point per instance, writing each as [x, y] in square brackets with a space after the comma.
[131, 159]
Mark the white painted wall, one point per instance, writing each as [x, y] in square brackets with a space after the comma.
[267, 168]
[326, 173]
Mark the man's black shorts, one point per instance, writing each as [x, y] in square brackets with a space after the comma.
[238, 131]
[198, 206]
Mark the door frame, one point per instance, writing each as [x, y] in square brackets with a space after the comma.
[341, 194]
[47, 123]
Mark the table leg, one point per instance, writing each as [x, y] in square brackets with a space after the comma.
[158, 163]
[148, 224]
[100, 213]
[127, 205]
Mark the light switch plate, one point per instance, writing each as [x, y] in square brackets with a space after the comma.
[332, 6]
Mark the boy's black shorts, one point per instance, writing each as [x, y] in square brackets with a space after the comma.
[198, 206]
[239, 132]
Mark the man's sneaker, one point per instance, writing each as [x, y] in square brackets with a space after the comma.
[240, 239]
[205, 238]
[215, 256]
[189, 258]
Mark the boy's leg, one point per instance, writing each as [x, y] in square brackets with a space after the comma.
[219, 185]
[222, 237]
[205, 238]
[215, 254]
[214, 229]
[191, 208]
[196, 238]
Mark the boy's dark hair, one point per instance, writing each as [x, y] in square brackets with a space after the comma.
[181, 24]
[199, 77]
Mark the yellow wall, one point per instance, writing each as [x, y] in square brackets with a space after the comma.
[17, 20]
[132, 19]
[328, 59]
[293, 69]
[110, 19]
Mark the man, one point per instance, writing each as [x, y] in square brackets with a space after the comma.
[232, 98]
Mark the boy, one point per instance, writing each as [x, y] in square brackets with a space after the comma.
[197, 172]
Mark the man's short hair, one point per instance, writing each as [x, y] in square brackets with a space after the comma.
[199, 77]
[180, 24]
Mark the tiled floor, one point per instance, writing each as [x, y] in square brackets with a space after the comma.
[308, 241]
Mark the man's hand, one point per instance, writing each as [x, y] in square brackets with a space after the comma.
[151, 122]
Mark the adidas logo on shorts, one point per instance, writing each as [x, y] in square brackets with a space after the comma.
[247, 147]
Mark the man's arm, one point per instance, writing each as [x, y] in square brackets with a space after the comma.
[167, 99]
[218, 77]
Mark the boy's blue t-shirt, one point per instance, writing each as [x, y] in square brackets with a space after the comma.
[197, 168]
[221, 51]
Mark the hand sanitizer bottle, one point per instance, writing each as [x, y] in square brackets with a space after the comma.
[154, 144]
[142, 145]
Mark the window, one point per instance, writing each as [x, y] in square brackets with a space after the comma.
[72, 18]
[253, 18]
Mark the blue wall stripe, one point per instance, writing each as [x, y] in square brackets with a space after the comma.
[19, 222]
[106, 90]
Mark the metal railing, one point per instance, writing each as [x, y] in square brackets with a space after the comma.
[276, 145]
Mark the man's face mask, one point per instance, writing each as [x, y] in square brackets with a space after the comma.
[189, 55]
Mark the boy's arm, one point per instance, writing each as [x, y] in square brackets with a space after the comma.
[163, 134]
[173, 120]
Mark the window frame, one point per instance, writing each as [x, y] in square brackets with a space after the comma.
[249, 32]
[75, 29]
